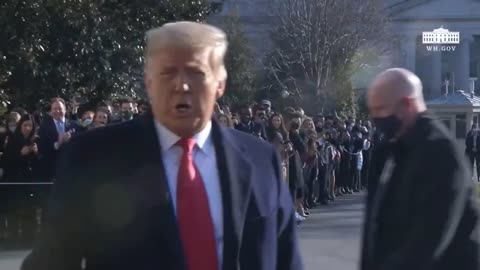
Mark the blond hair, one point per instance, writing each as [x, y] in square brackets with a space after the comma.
[190, 35]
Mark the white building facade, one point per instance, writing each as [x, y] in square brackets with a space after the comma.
[439, 39]
[439, 42]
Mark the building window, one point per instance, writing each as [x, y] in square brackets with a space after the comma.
[461, 126]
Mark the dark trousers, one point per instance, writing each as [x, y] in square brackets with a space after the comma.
[474, 158]
[356, 179]
[322, 183]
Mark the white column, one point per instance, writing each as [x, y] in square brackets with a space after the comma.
[472, 84]
[462, 64]
[410, 49]
[436, 74]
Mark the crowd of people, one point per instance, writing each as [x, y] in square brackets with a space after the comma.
[322, 156]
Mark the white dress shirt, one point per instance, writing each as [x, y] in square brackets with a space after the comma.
[61, 122]
[205, 159]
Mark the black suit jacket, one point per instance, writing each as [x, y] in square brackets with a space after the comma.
[47, 136]
[424, 213]
[111, 206]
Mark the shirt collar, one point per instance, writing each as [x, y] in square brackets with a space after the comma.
[168, 139]
[61, 120]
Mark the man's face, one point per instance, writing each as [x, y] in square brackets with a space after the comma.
[261, 116]
[379, 104]
[183, 88]
[58, 110]
[245, 115]
[127, 107]
[142, 109]
[266, 107]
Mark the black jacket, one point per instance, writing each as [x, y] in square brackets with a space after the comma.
[423, 212]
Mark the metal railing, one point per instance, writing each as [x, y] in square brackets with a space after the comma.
[22, 211]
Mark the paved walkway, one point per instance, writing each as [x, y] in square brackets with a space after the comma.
[329, 238]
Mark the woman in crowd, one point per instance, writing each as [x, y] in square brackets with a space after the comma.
[278, 135]
[307, 128]
[345, 177]
[310, 173]
[21, 152]
[101, 118]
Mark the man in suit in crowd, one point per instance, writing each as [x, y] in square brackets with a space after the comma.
[171, 189]
[248, 125]
[422, 211]
[54, 132]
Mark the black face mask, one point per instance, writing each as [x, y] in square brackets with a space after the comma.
[388, 125]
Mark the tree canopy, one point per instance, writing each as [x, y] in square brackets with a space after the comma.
[90, 48]
[319, 44]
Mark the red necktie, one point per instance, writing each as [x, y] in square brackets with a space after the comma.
[193, 214]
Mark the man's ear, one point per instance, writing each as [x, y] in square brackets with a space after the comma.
[220, 89]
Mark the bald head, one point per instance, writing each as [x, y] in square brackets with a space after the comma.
[397, 83]
[394, 85]
[397, 93]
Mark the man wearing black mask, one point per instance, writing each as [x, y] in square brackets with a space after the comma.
[422, 213]
[247, 125]
[127, 109]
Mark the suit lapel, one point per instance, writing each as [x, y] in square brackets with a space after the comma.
[234, 172]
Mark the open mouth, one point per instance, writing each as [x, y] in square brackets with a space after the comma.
[183, 108]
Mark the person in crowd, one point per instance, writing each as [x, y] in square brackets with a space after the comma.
[19, 162]
[235, 119]
[307, 129]
[276, 124]
[38, 116]
[334, 157]
[225, 120]
[248, 125]
[296, 179]
[54, 132]
[143, 106]
[345, 177]
[260, 115]
[276, 129]
[284, 150]
[267, 106]
[112, 211]
[472, 148]
[127, 109]
[13, 119]
[100, 119]
[310, 174]
[21, 152]
[423, 211]
[366, 154]
[86, 120]
[12, 122]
